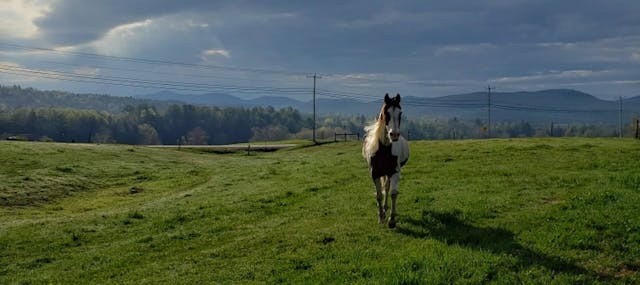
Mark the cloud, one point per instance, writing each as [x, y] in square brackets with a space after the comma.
[175, 37]
[10, 64]
[17, 18]
[86, 70]
[552, 76]
[194, 24]
[478, 48]
[123, 39]
[429, 47]
[214, 53]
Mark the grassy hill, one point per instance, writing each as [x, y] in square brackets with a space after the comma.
[500, 211]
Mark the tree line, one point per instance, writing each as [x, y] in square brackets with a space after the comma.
[144, 124]
[190, 124]
[31, 114]
[454, 128]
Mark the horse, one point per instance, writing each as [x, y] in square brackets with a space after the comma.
[386, 152]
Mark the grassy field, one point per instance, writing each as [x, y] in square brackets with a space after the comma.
[538, 211]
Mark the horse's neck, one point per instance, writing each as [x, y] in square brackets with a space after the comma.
[374, 139]
[383, 139]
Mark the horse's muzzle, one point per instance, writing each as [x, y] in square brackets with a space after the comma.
[394, 136]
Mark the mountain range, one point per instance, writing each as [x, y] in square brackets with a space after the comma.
[557, 105]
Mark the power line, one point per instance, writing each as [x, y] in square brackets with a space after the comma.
[199, 87]
[475, 105]
[153, 61]
[390, 81]
[142, 83]
[200, 75]
[216, 67]
[548, 109]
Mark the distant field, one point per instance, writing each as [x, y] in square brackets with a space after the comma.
[535, 211]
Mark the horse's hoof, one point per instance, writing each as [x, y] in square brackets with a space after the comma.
[392, 223]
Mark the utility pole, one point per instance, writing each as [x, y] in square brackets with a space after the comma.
[489, 109]
[620, 117]
[314, 76]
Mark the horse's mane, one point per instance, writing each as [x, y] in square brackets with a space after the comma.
[375, 134]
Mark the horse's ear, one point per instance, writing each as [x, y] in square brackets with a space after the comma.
[387, 100]
[398, 98]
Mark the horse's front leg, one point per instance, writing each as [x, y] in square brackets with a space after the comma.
[395, 180]
[379, 197]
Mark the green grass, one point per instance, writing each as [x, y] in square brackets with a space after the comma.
[535, 211]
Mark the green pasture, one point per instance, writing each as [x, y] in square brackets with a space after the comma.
[534, 211]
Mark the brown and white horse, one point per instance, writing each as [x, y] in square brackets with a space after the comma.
[386, 152]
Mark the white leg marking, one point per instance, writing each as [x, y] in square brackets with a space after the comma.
[395, 180]
[379, 196]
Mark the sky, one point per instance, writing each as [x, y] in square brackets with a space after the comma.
[358, 49]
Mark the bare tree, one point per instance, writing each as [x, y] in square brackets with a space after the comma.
[197, 136]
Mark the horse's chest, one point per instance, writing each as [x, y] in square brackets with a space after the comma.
[383, 163]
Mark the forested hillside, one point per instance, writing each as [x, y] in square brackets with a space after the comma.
[12, 97]
[143, 124]
[30, 114]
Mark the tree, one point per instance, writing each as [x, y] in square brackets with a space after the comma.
[270, 133]
[197, 136]
[148, 135]
[103, 135]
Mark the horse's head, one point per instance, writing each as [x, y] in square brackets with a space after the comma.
[392, 113]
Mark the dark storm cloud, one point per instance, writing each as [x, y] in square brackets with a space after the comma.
[76, 21]
[354, 25]
[469, 42]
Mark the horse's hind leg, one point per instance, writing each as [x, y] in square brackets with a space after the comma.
[386, 184]
[379, 197]
[395, 179]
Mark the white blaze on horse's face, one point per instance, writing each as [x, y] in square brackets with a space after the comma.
[393, 115]
[393, 127]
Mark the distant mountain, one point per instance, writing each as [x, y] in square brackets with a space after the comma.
[323, 106]
[553, 97]
[218, 99]
[556, 105]
[559, 105]
[632, 100]
[276, 102]
[13, 97]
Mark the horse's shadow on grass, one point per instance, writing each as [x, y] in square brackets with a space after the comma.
[450, 229]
